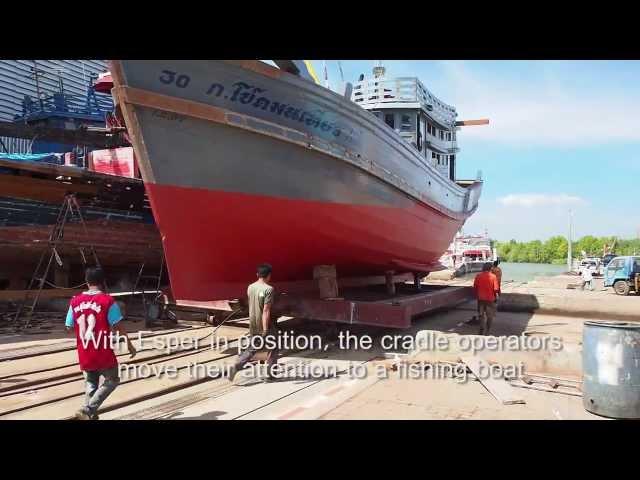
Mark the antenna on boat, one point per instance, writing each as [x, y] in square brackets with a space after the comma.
[378, 69]
[36, 73]
[60, 71]
[346, 88]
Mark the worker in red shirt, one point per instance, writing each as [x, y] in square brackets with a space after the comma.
[487, 289]
[93, 315]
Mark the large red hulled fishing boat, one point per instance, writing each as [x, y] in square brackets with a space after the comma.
[246, 163]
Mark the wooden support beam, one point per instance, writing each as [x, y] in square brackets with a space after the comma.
[417, 281]
[391, 287]
[38, 189]
[499, 388]
[467, 123]
[47, 293]
[326, 277]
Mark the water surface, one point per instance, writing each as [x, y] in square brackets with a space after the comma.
[525, 272]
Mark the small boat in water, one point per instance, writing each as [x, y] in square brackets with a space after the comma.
[245, 162]
[468, 254]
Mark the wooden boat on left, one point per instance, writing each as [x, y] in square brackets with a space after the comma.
[118, 219]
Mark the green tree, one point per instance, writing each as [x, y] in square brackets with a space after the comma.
[554, 249]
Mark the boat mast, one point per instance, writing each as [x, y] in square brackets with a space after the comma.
[326, 75]
[341, 72]
[36, 73]
[378, 69]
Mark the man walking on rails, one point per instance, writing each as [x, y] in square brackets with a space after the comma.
[487, 291]
[94, 315]
[260, 295]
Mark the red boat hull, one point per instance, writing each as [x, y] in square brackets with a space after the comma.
[214, 240]
[287, 172]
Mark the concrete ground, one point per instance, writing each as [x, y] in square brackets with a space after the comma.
[341, 397]
[446, 398]
[382, 398]
[404, 399]
[551, 295]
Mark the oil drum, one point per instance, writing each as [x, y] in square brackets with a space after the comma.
[611, 369]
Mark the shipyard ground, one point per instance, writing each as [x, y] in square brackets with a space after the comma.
[39, 378]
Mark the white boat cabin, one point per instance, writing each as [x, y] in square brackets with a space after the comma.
[405, 105]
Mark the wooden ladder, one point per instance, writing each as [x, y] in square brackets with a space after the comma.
[68, 210]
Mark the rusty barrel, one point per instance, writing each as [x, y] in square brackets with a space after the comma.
[611, 369]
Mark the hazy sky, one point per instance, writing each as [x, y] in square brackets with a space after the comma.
[562, 135]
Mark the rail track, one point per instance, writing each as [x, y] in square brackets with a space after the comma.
[54, 389]
[47, 386]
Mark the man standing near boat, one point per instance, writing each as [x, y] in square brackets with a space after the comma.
[260, 295]
[487, 290]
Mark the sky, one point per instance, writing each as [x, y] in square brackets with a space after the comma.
[563, 135]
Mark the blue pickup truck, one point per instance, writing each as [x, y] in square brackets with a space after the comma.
[623, 274]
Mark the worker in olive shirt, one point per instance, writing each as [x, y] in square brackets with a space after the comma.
[260, 295]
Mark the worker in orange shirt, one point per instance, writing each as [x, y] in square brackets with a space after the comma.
[487, 290]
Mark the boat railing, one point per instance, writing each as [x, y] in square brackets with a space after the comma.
[91, 105]
[403, 90]
[440, 144]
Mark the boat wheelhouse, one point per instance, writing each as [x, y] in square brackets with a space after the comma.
[409, 108]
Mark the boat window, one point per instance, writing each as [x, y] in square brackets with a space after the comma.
[441, 134]
[405, 124]
[388, 118]
[449, 136]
